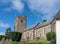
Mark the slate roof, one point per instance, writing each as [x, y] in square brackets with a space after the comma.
[58, 15]
[32, 27]
[45, 23]
[38, 25]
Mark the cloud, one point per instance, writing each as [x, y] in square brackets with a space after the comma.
[4, 1]
[58, 4]
[17, 5]
[41, 4]
[3, 25]
[2, 33]
[46, 7]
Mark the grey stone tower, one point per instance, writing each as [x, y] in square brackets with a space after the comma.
[20, 23]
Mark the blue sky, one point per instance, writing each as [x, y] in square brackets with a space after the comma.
[35, 10]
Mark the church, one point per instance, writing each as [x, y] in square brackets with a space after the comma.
[37, 31]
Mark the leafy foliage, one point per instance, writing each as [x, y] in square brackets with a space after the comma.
[51, 36]
[14, 36]
[44, 20]
[1, 37]
[8, 30]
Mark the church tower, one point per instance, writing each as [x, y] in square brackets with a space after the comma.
[20, 23]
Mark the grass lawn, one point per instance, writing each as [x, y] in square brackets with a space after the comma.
[28, 42]
[35, 42]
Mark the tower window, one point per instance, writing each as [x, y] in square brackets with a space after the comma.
[21, 20]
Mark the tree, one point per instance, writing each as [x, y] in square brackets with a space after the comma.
[51, 36]
[8, 30]
[2, 36]
[44, 20]
[15, 36]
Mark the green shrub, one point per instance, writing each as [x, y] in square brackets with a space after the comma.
[14, 36]
[2, 36]
[51, 36]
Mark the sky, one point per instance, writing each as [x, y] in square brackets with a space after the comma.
[35, 11]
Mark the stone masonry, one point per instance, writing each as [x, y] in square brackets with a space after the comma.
[36, 31]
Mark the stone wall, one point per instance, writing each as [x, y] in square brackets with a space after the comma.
[53, 25]
[41, 32]
[27, 35]
[37, 33]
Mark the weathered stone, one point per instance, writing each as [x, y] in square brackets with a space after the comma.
[36, 31]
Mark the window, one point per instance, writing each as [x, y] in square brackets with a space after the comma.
[21, 20]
